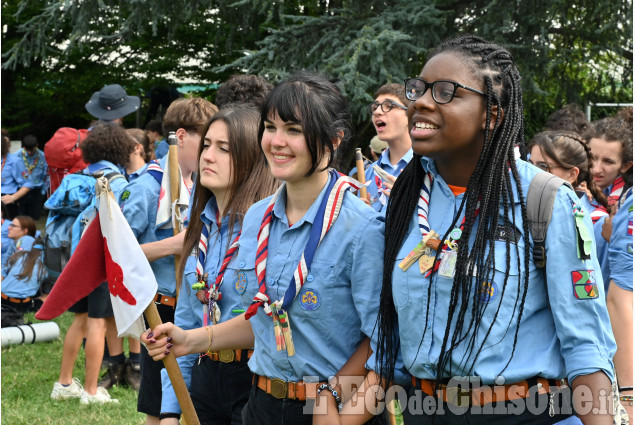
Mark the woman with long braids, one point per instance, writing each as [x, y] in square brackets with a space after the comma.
[480, 325]
[232, 176]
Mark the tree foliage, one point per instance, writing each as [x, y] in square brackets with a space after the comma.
[59, 53]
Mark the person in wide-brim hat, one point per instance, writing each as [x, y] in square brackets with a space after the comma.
[111, 103]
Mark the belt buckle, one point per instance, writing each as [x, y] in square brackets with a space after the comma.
[279, 388]
[458, 396]
[226, 356]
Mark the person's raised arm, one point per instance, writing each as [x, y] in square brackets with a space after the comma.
[168, 246]
[168, 338]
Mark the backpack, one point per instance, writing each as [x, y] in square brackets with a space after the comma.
[63, 155]
[75, 193]
[540, 198]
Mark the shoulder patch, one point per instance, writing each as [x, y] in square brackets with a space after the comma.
[125, 195]
[629, 230]
[584, 285]
[309, 299]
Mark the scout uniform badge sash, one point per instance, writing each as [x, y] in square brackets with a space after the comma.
[211, 310]
[327, 213]
[425, 251]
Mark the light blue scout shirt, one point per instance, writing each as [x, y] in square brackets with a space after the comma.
[14, 287]
[338, 304]
[134, 175]
[384, 163]
[38, 178]
[8, 245]
[161, 149]
[563, 332]
[117, 185]
[139, 201]
[189, 310]
[13, 175]
[620, 252]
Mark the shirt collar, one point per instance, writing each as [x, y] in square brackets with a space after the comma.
[430, 166]
[309, 216]
[385, 157]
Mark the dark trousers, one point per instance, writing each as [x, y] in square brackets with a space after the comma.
[265, 409]
[149, 399]
[219, 390]
[10, 211]
[425, 410]
[31, 204]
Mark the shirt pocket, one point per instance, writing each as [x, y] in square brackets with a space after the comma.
[492, 285]
[317, 295]
[240, 278]
[400, 281]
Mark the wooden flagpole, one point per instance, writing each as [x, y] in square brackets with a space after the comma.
[361, 173]
[174, 372]
[175, 189]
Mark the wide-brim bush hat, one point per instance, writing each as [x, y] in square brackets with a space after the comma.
[112, 102]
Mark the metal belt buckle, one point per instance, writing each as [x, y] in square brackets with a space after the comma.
[226, 356]
[458, 396]
[279, 388]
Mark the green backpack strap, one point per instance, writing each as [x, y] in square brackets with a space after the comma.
[540, 198]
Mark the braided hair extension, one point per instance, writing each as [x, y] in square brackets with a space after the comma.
[491, 184]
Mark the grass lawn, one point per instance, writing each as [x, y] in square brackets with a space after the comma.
[28, 374]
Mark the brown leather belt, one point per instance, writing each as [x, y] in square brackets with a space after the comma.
[165, 300]
[282, 389]
[16, 300]
[229, 356]
[486, 394]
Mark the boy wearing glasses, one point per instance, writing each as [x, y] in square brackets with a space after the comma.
[388, 113]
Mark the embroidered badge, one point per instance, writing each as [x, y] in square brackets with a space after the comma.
[487, 292]
[629, 248]
[507, 232]
[629, 231]
[309, 299]
[241, 282]
[584, 286]
[125, 195]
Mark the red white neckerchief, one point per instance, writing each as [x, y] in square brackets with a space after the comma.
[616, 190]
[423, 206]
[333, 206]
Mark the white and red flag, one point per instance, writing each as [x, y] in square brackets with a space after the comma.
[108, 250]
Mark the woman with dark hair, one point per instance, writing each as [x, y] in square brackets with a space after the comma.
[611, 143]
[566, 155]
[21, 230]
[106, 148]
[478, 323]
[232, 176]
[24, 271]
[309, 256]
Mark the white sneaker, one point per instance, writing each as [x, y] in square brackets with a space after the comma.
[61, 392]
[101, 397]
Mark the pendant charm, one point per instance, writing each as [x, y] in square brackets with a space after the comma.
[285, 325]
[423, 248]
[448, 264]
[277, 330]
